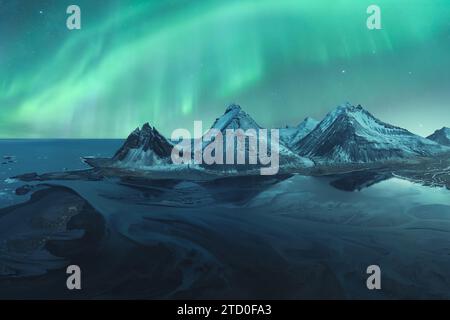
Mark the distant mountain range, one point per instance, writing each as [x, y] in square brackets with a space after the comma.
[348, 134]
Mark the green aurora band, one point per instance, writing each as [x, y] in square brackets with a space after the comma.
[173, 62]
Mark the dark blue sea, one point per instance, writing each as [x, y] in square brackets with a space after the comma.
[43, 156]
[290, 237]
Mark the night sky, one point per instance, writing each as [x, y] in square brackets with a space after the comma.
[172, 62]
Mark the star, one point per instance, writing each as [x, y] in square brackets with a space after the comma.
[41, 12]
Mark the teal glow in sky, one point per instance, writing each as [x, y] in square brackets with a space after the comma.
[173, 62]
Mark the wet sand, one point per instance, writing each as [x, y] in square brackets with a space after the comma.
[291, 238]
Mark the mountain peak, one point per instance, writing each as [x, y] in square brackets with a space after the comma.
[357, 115]
[233, 107]
[352, 134]
[308, 120]
[348, 108]
[235, 118]
[146, 127]
[292, 135]
[441, 136]
[144, 146]
[348, 105]
[444, 130]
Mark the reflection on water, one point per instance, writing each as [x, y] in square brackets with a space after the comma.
[250, 237]
[293, 237]
[356, 181]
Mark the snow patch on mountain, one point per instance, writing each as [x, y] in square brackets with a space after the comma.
[144, 147]
[441, 136]
[292, 135]
[235, 118]
[351, 134]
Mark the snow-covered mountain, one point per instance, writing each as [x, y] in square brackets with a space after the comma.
[235, 118]
[292, 135]
[351, 134]
[441, 136]
[143, 148]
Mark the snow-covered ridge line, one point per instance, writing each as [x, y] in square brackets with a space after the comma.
[347, 134]
[441, 136]
[350, 134]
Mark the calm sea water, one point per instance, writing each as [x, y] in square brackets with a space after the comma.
[42, 156]
[296, 238]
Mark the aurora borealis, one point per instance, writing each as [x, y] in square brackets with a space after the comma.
[172, 62]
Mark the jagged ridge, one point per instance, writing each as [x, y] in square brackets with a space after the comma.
[292, 135]
[352, 134]
[235, 118]
[441, 136]
[144, 147]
